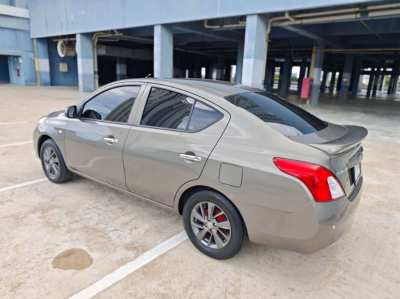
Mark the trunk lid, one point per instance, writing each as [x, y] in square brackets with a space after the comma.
[343, 145]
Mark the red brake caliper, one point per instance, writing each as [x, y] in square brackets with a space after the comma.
[220, 218]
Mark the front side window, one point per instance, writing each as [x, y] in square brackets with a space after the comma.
[167, 109]
[280, 114]
[112, 105]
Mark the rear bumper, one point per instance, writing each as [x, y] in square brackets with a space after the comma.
[328, 222]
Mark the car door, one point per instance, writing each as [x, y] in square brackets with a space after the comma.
[174, 135]
[95, 140]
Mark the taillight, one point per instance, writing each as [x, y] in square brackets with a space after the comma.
[321, 182]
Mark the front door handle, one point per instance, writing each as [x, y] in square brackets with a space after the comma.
[110, 140]
[189, 156]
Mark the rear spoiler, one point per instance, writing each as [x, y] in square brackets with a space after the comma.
[352, 137]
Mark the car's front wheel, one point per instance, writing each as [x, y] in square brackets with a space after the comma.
[213, 224]
[53, 163]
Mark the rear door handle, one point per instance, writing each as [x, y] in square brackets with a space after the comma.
[110, 140]
[189, 156]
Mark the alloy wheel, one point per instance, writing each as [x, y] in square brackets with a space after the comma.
[51, 162]
[210, 225]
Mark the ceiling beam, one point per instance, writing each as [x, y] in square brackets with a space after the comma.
[212, 35]
[317, 38]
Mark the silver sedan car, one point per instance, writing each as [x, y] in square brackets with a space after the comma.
[235, 162]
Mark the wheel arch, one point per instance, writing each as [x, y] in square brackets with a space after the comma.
[196, 188]
[41, 140]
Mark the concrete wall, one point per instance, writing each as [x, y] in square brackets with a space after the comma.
[15, 41]
[52, 18]
[69, 78]
[18, 45]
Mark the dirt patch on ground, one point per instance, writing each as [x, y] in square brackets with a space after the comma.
[72, 259]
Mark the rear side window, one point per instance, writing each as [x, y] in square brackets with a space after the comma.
[203, 116]
[282, 115]
[111, 105]
[167, 109]
[171, 110]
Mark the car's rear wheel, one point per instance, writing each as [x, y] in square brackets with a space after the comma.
[53, 163]
[213, 224]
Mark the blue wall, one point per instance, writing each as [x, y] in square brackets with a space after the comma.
[69, 78]
[4, 75]
[18, 45]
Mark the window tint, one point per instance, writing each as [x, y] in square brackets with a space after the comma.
[167, 109]
[112, 105]
[283, 116]
[203, 116]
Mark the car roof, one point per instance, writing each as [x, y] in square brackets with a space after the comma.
[214, 87]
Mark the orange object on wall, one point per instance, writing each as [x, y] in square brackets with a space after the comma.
[306, 88]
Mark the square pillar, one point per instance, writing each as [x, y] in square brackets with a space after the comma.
[84, 52]
[284, 77]
[355, 78]
[42, 64]
[317, 62]
[121, 69]
[239, 62]
[371, 82]
[302, 74]
[346, 77]
[163, 52]
[269, 76]
[255, 50]
[323, 82]
[339, 81]
[332, 82]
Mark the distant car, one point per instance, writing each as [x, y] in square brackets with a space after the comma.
[232, 160]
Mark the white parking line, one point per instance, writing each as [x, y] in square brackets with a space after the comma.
[22, 185]
[122, 272]
[15, 144]
[13, 123]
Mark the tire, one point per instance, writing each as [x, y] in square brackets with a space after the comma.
[60, 172]
[213, 228]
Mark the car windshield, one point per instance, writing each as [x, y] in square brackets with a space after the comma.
[283, 116]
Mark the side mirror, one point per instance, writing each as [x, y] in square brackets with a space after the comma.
[71, 112]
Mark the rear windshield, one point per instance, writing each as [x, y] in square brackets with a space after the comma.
[287, 118]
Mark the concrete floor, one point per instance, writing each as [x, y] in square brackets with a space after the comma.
[41, 221]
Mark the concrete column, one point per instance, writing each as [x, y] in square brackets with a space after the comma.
[394, 78]
[42, 64]
[323, 83]
[355, 78]
[370, 82]
[381, 79]
[255, 51]
[317, 62]
[163, 51]
[239, 62]
[302, 74]
[339, 81]
[269, 77]
[84, 52]
[121, 69]
[395, 81]
[376, 83]
[332, 83]
[284, 77]
[346, 78]
[391, 80]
